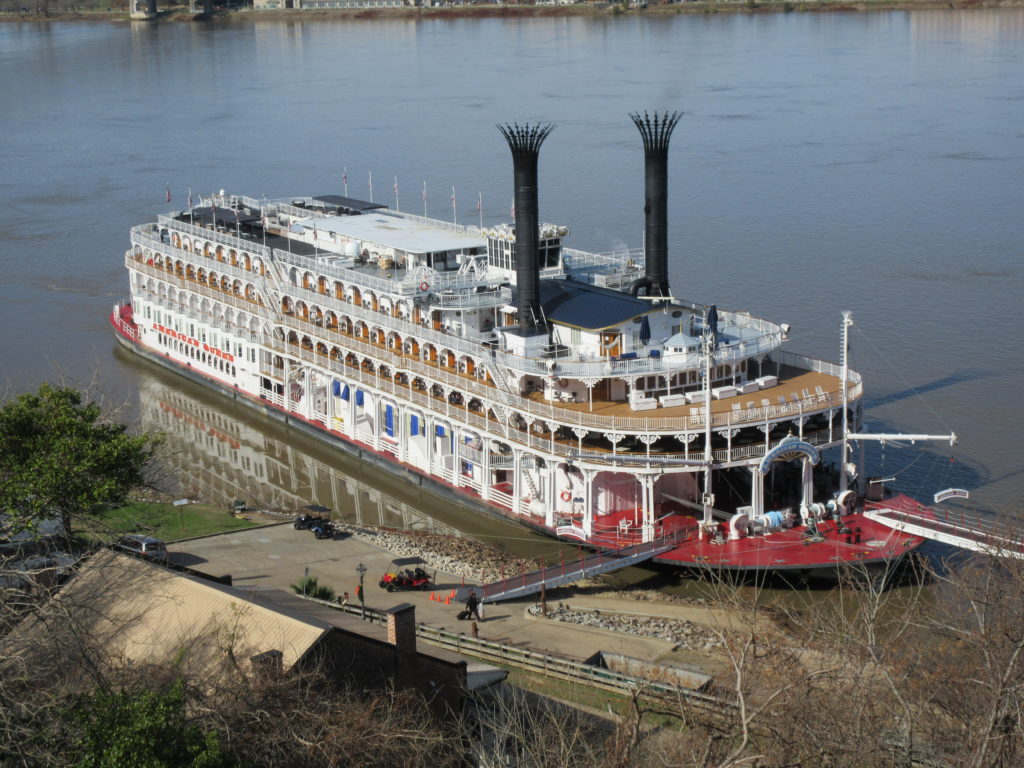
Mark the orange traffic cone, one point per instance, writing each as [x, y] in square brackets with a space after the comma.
[433, 596]
[452, 595]
[448, 600]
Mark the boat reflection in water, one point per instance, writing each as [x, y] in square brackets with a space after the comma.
[219, 453]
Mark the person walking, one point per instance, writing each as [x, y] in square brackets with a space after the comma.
[473, 606]
[343, 599]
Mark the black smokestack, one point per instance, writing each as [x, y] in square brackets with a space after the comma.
[656, 131]
[525, 141]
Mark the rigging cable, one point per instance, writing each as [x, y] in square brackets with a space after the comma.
[902, 378]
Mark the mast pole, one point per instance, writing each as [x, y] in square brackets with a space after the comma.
[844, 357]
[708, 351]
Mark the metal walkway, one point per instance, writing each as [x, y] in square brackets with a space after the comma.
[959, 530]
[566, 572]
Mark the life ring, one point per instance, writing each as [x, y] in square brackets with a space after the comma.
[424, 286]
[565, 495]
[563, 383]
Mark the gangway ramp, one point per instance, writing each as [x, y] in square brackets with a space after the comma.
[568, 571]
[958, 529]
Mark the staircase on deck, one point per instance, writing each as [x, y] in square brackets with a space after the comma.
[566, 572]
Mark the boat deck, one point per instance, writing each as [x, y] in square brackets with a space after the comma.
[811, 388]
[785, 549]
[795, 387]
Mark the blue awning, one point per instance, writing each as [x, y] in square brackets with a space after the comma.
[389, 420]
[336, 387]
[439, 430]
[414, 424]
[359, 397]
[344, 393]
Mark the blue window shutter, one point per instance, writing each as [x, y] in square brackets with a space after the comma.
[344, 393]
[359, 397]
[439, 430]
[336, 387]
[414, 424]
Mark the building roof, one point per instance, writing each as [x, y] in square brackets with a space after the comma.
[140, 612]
[407, 235]
[588, 306]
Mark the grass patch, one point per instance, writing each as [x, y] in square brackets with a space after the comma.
[164, 521]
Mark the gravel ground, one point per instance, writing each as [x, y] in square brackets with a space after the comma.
[683, 633]
[449, 554]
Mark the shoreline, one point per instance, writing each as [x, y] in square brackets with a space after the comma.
[528, 11]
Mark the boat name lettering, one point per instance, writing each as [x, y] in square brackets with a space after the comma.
[194, 342]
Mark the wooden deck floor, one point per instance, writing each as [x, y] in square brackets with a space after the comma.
[793, 384]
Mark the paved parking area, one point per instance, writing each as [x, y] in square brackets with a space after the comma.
[278, 556]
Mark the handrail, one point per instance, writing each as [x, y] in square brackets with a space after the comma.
[594, 370]
[550, 412]
[214, 235]
[548, 664]
[491, 396]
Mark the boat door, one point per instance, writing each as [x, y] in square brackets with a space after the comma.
[611, 343]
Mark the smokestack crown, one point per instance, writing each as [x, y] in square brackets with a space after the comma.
[655, 130]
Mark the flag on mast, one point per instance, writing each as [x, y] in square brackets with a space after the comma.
[424, 199]
[480, 207]
[344, 179]
[395, 188]
[190, 197]
[167, 193]
[512, 210]
[371, 186]
[455, 216]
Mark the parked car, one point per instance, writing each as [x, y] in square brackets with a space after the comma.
[144, 546]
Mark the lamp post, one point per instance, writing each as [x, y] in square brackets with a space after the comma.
[361, 570]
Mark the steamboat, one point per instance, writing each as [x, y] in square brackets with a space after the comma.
[567, 390]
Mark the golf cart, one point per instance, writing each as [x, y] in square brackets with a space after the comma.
[406, 573]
